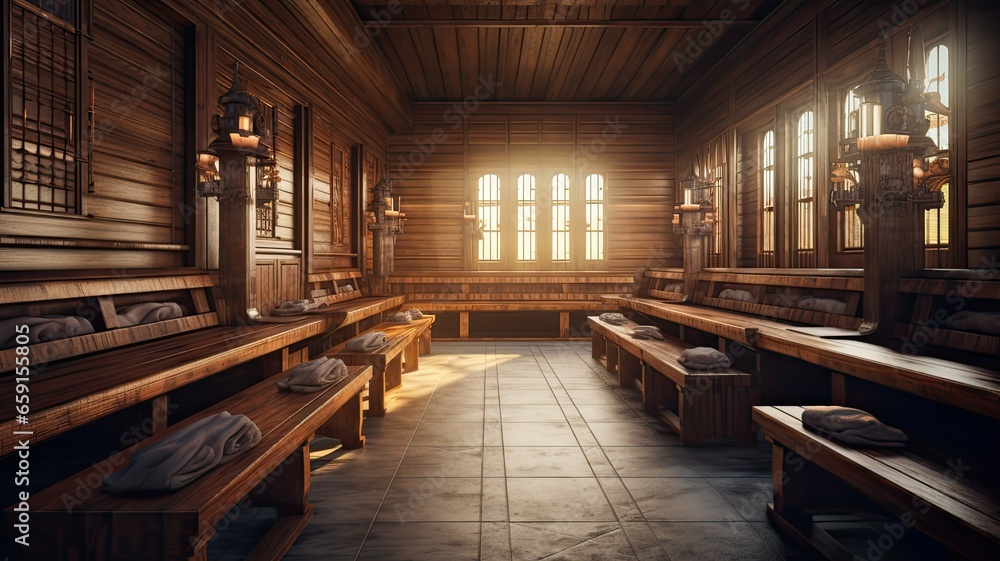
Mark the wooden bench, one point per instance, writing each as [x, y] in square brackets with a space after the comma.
[817, 483]
[698, 405]
[511, 304]
[347, 302]
[400, 353]
[75, 519]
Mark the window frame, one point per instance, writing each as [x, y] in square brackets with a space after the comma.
[805, 172]
[768, 213]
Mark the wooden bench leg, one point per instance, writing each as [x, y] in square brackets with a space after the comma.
[629, 370]
[598, 345]
[411, 356]
[394, 373]
[347, 424]
[425, 342]
[376, 391]
[612, 362]
[463, 325]
[287, 487]
[652, 389]
[564, 325]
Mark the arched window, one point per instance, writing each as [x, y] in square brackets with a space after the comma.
[526, 225]
[560, 217]
[936, 223]
[767, 199]
[852, 230]
[937, 82]
[594, 212]
[805, 156]
[489, 217]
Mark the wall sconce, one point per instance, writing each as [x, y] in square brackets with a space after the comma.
[928, 177]
[697, 215]
[846, 191]
[237, 137]
[209, 181]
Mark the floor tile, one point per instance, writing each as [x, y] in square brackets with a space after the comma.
[680, 499]
[453, 413]
[538, 434]
[448, 434]
[527, 413]
[696, 541]
[527, 396]
[442, 461]
[748, 495]
[422, 541]
[495, 542]
[594, 396]
[608, 413]
[432, 499]
[537, 461]
[631, 434]
[557, 499]
[648, 461]
[569, 540]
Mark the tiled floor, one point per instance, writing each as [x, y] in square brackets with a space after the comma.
[519, 451]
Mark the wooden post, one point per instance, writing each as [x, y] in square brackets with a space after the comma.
[892, 247]
[237, 237]
[695, 250]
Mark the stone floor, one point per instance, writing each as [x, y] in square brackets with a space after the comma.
[520, 451]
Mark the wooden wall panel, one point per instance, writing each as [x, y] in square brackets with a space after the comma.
[435, 165]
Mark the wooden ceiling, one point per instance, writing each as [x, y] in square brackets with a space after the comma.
[555, 50]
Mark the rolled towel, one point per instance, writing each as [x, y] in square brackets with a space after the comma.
[987, 323]
[704, 358]
[400, 317]
[852, 426]
[43, 329]
[185, 455]
[367, 342]
[296, 307]
[314, 375]
[613, 318]
[347, 288]
[737, 294]
[415, 313]
[816, 303]
[148, 312]
[678, 288]
[780, 300]
[646, 332]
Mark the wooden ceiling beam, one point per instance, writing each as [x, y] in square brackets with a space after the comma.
[527, 23]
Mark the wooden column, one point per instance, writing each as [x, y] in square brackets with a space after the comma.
[237, 236]
[695, 250]
[892, 235]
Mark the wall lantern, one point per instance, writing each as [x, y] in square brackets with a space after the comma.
[696, 216]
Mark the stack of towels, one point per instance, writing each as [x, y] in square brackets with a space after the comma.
[613, 318]
[815, 303]
[296, 307]
[646, 332]
[987, 323]
[737, 294]
[314, 375]
[407, 316]
[779, 299]
[185, 455]
[148, 312]
[852, 426]
[704, 358]
[366, 342]
[43, 329]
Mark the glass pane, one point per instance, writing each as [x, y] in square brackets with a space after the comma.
[526, 225]
[560, 217]
[594, 211]
[489, 217]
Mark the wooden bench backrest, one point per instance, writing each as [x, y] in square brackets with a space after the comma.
[510, 286]
[776, 291]
[96, 300]
[662, 284]
[931, 298]
[332, 287]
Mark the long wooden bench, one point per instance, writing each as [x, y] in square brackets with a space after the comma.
[400, 353]
[814, 477]
[75, 519]
[698, 405]
[511, 304]
[346, 301]
[80, 379]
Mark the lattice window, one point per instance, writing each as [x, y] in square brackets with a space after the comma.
[526, 218]
[44, 166]
[936, 223]
[265, 219]
[489, 217]
[938, 82]
[767, 233]
[851, 228]
[715, 156]
[560, 217]
[804, 185]
[594, 212]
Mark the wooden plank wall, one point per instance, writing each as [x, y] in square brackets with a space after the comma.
[433, 167]
[805, 52]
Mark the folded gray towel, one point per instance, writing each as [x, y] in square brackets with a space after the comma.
[347, 288]
[314, 375]
[737, 294]
[816, 303]
[678, 288]
[646, 332]
[987, 323]
[43, 329]
[780, 300]
[704, 358]
[852, 426]
[367, 342]
[400, 317]
[296, 307]
[415, 313]
[613, 318]
[185, 455]
[148, 312]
